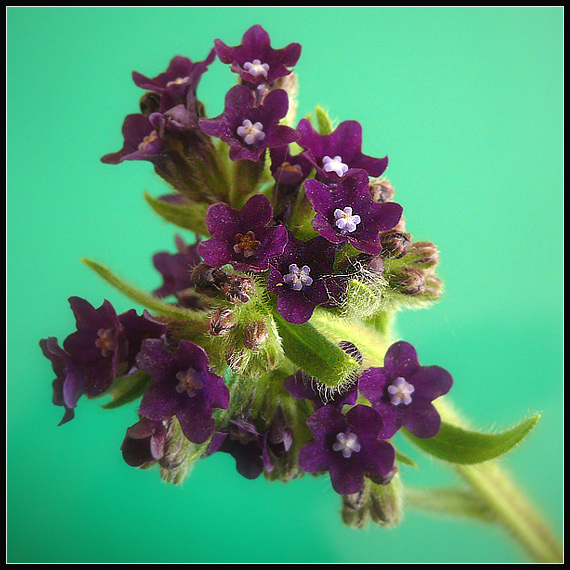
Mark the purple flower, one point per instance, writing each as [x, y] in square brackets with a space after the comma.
[346, 212]
[402, 391]
[181, 76]
[248, 128]
[348, 446]
[68, 385]
[333, 155]
[175, 268]
[255, 60]
[145, 442]
[183, 386]
[141, 141]
[289, 170]
[303, 277]
[247, 238]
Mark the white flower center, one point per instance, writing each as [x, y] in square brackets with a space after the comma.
[334, 165]
[347, 443]
[251, 132]
[345, 220]
[297, 278]
[179, 81]
[256, 68]
[400, 392]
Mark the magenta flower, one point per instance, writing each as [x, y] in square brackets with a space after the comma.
[246, 238]
[255, 60]
[335, 154]
[248, 128]
[183, 386]
[346, 212]
[303, 278]
[348, 446]
[402, 391]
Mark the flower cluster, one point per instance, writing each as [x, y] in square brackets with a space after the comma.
[256, 342]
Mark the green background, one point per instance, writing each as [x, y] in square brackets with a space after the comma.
[467, 103]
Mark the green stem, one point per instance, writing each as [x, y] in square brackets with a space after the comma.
[497, 493]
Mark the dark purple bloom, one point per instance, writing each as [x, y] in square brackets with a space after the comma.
[68, 385]
[346, 212]
[145, 442]
[303, 277]
[181, 76]
[287, 169]
[141, 141]
[248, 128]
[183, 386]
[247, 238]
[175, 268]
[348, 446]
[255, 60]
[402, 391]
[333, 155]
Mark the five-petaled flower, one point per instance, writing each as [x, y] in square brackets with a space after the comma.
[345, 212]
[183, 386]
[402, 391]
[246, 238]
[349, 446]
[336, 154]
[303, 278]
[249, 129]
[255, 60]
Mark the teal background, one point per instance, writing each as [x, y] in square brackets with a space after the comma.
[467, 103]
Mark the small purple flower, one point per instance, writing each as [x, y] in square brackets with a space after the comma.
[181, 76]
[402, 391]
[348, 446]
[247, 238]
[183, 386]
[248, 128]
[303, 277]
[289, 170]
[335, 154]
[255, 60]
[175, 268]
[141, 141]
[145, 442]
[346, 212]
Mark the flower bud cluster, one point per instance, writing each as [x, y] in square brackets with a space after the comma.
[290, 221]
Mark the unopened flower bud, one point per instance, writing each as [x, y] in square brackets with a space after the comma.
[381, 190]
[239, 288]
[395, 243]
[409, 280]
[424, 253]
[234, 357]
[221, 322]
[254, 335]
[355, 511]
[386, 502]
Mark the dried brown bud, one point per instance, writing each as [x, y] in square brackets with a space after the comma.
[208, 280]
[381, 190]
[149, 103]
[221, 322]
[254, 335]
[395, 243]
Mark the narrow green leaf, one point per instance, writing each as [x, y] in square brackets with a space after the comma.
[465, 447]
[314, 353]
[324, 123]
[127, 388]
[189, 216]
[402, 458]
[143, 298]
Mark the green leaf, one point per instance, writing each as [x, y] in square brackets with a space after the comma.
[127, 388]
[402, 458]
[189, 216]
[314, 353]
[465, 447]
[324, 123]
